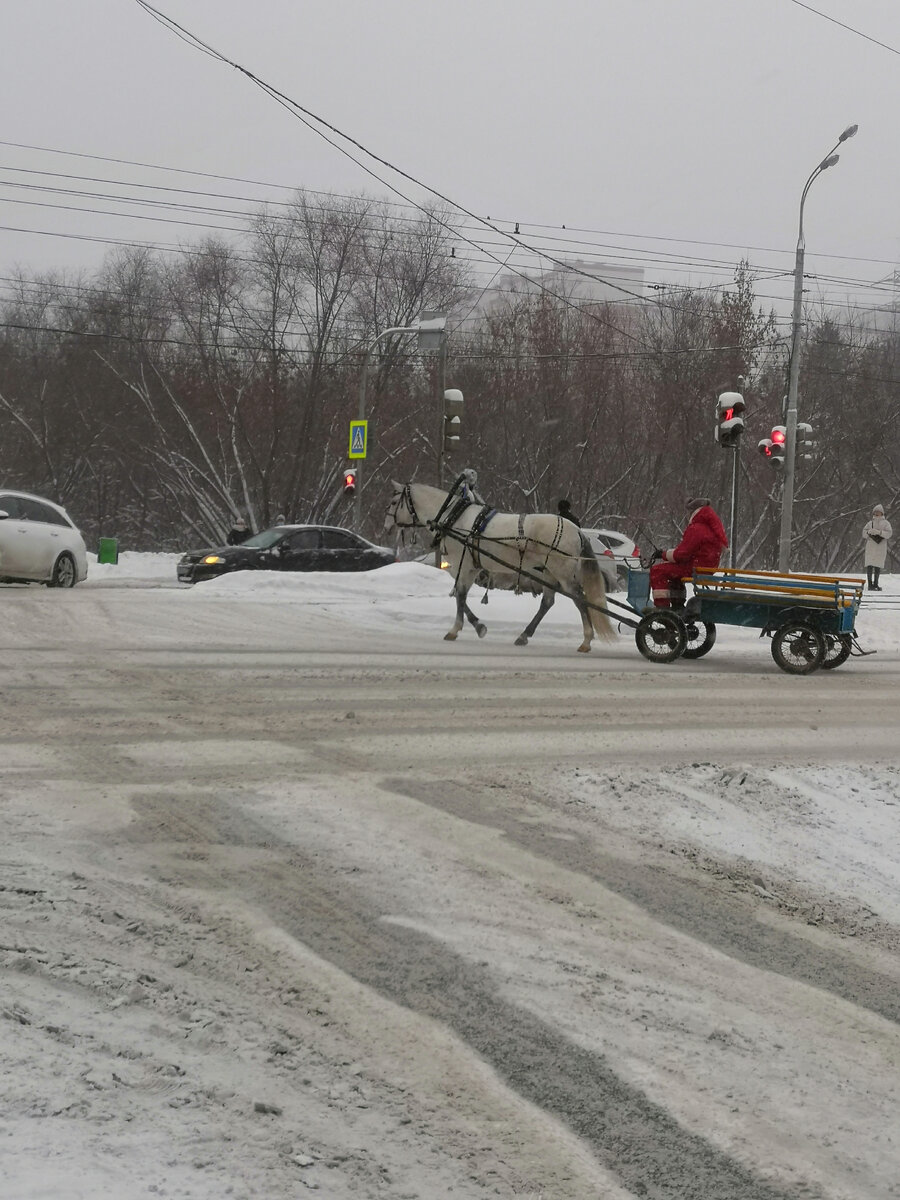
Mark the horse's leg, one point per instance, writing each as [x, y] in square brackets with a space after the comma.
[453, 632]
[548, 597]
[587, 625]
[479, 626]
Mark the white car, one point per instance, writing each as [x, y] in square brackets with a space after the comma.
[38, 542]
[624, 551]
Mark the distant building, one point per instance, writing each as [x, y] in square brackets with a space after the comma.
[579, 281]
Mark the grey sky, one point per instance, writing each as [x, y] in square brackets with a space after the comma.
[667, 119]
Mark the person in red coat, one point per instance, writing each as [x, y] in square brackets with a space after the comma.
[702, 546]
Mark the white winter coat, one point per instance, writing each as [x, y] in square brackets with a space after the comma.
[876, 552]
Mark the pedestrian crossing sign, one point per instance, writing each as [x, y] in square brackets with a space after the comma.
[358, 439]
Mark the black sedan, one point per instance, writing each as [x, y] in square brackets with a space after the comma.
[288, 548]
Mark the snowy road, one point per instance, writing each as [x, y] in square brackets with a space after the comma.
[297, 896]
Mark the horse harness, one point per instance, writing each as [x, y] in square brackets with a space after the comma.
[472, 540]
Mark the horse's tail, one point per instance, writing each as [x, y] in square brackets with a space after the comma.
[594, 588]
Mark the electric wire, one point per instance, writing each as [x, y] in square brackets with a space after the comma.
[317, 124]
[849, 28]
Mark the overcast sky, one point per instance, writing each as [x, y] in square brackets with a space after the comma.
[662, 122]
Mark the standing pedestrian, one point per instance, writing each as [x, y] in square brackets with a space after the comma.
[876, 534]
[564, 508]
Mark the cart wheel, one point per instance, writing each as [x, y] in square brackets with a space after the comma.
[660, 637]
[798, 648]
[700, 637]
[837, 650]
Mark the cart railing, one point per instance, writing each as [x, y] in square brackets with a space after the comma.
[773, 587]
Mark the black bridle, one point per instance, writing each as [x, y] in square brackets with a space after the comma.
[404, 496]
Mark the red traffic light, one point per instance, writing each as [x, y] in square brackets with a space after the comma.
[730, 409]
[779, 435]
[349, 481]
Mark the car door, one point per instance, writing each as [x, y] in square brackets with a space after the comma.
[19, 552]
[343, 551]
[299, 551]
[46, 534]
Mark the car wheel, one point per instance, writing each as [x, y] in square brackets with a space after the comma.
[64, 574]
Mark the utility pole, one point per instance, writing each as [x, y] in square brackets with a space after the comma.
[790, 415]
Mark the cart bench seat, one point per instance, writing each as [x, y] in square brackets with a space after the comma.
[781, 599]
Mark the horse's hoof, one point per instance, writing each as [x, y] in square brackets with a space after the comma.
[584, 649]
[449, 637]
[521, 640]
[480, 629]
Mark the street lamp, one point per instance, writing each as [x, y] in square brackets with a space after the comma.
[787, 502]
[430, 328]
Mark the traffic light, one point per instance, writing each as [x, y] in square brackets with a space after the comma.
[764, 446]
[806, 447]
[729, 418]
[453, 406]
[779, 434]
[350, 481]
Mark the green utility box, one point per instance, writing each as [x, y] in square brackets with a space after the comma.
[108, 551]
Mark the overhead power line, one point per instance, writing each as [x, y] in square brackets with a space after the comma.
[556, 236]
[849, 28]
[227, 347]
[319, 125]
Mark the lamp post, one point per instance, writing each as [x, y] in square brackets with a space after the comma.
[787, 501]
[430, 328]
[362, 400]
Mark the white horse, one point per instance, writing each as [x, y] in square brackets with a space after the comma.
[538, 553]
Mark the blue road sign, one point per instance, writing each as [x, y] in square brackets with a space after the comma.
[359, 436]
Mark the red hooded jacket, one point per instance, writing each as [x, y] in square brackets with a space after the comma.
[703, 541]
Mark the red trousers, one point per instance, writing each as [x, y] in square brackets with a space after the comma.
[667, 583]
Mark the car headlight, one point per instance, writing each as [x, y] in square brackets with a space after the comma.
[213, 558]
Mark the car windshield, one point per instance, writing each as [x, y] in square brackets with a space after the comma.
[262, 541]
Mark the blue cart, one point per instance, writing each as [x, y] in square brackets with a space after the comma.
[810, 619]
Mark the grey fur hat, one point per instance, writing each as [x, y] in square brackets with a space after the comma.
[695, 502]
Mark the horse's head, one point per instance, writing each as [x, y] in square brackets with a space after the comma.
[401, 513]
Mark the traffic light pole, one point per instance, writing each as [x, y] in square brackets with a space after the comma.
[735, 492]
[441, 388]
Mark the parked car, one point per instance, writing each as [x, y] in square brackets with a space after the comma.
[287, 548]
[39, 542]
[624, 552]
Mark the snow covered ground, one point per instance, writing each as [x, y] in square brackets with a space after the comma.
[298, 897]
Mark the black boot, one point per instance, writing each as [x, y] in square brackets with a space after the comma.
[870, 571]
[876, 572]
